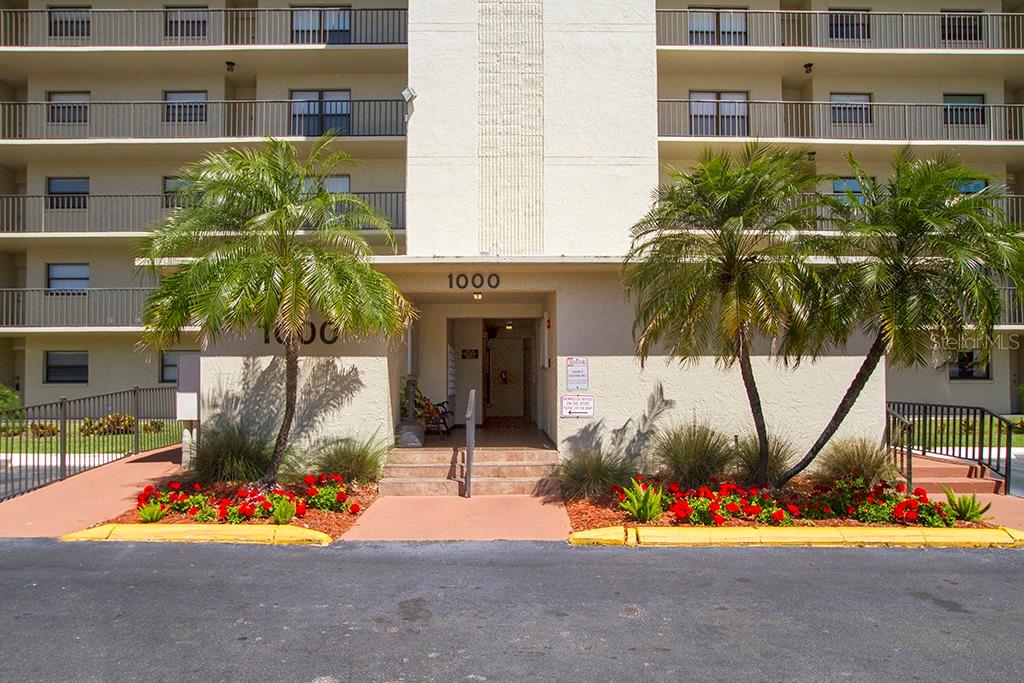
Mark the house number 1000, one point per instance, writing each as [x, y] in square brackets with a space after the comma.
[476, 281]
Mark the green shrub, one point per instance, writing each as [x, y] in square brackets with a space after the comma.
[152, 427]
[746, 455]
[358, 460]
[12, 428]
[43, 429]
[230, 453]
[151, 512]
[591, 472]
[642, 501]
[966, 507]
[692, 454]
[9, 398]
[284, 511]
[855, 458]
[114, 423]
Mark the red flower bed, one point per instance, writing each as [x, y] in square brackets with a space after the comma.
[324, 503]
[729, 504]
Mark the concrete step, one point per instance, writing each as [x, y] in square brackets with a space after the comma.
[931, 470]
[480, 469]
[411, 456]
[482, 486]
[958, 484]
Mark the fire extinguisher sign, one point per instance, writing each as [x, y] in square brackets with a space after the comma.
[577, 373]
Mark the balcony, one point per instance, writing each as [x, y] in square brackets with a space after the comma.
[57, 214]
[212, 119]
[843, 121]
[200, 27]
[89, 308]
[847, 29]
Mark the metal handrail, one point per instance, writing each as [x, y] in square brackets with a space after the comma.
[201, 119]
[963, 432]
[896, 121]
[899, 442]
[199, 27]
[46, 442]
[21, 213]
[470, 441]
[841, 29]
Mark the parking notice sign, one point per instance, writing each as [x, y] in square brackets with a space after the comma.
[577, 405]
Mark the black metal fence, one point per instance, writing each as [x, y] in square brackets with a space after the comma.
[967, 433]
[43, 443]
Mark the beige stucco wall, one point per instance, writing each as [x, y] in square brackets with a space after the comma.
[114, 365]
[931, 383]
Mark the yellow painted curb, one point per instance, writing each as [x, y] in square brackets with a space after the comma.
[608, 535]
[800, 536]
[202, 533]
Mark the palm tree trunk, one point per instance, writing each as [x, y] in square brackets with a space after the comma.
[291, 391]
[860, 380]
[754, 398]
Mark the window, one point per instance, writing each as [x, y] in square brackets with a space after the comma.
[850, 108]
[67, 107]
[70, 22]
[172, 189]
[185, 22]
[717, 27]
[185, 107]
[963, 110]
[314, 112]
[67, 367]
[718, 113]
[962, 26]
[62, 278]
[322, 25]
[849, 24]
[846, 186]
[970, 365]
[67, 193]
[169, 365]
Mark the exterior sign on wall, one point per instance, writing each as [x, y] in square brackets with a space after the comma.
[470, 354]
[577, 405]
[577, 373]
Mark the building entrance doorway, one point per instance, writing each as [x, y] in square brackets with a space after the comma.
[509, 370]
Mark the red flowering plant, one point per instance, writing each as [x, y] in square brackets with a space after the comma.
[882, 503]
[705, 506]
[328, 492]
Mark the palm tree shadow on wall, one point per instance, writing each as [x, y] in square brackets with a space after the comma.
[255, 402]
[631, 440]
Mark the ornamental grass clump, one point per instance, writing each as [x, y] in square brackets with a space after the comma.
[855, 458]
[357, 460]
[747, 454]
[591, 472]
[692, 454]
[231, 453]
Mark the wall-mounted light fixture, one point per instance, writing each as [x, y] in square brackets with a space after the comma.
[811, 155]
[230, 66]
[408, 94]
[808, 67]
[477, 296]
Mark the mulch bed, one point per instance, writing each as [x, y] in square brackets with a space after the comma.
[334, 524]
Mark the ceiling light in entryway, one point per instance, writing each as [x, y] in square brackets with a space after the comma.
[477, 296]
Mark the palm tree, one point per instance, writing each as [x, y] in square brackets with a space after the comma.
[714, 265]
[264, 243]
[916, 259]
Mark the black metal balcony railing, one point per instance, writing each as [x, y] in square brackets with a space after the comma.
[199, 26]
[213, 119]
[127, 213]
[847, 121]
[842, 29]
[1012, 206]
[106, 307]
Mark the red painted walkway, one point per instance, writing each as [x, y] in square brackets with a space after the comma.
[88, 498]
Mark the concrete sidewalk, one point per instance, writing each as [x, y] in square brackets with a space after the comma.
[88, 498]
[453, 518]
[1006, 510]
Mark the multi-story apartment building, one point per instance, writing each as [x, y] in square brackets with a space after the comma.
[512, 142]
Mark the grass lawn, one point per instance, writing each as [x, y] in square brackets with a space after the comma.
[88, 444]
[957, 433]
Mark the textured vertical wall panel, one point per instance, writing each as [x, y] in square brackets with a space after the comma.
[511, 126]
